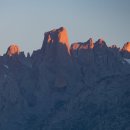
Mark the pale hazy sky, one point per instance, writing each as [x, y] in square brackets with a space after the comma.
[25, 21]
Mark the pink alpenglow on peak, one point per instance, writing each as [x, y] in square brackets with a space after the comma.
[57, 36]
[126, 47]
[100, 43]
[101, 40]
[90, 43]
[86, 45]
[13, 50]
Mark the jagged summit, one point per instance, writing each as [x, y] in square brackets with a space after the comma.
[100, 43]
[126, 47]
[86, 45]
[90, 43]
[13, 50]
[56, 36]
[90, 40]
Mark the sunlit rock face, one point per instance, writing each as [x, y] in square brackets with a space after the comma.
[56, 36]
[126, 47]
[125, 51]
[55, 48]
[100, 43]
[86, 45]
[77, 48]
[13, 50]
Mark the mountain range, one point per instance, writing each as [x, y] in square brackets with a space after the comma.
[85, 86]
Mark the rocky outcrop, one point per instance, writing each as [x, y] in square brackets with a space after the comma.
[13, 50]
[125, 51]
[126, 47]
[87, 45]
[77, 48]
[55, 49]
[56, 36]
[101, 43]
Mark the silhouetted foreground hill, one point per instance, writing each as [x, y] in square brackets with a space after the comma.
[82, 87]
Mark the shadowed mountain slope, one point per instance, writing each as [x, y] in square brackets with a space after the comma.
[85, 86]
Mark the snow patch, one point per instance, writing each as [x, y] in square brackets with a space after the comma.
[6, 66]
[127, 60]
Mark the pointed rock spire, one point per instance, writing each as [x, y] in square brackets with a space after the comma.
[90, 43]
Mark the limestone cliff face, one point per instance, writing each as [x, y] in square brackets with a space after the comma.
[13, 50]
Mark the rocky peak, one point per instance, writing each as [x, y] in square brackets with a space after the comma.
[126, 47]
[56, 36]
[13, 50]
[75, 46]
[86, 45]
[100, 43]
[90, 43]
